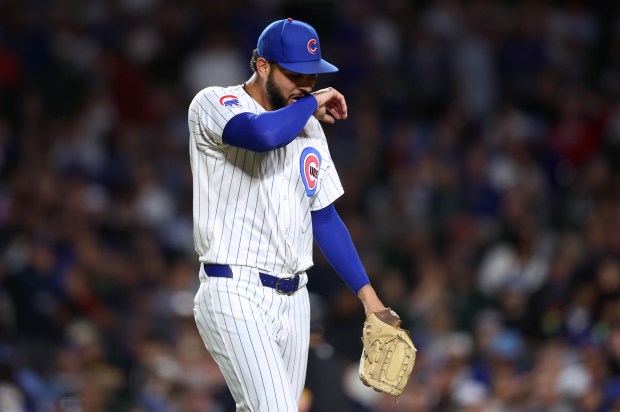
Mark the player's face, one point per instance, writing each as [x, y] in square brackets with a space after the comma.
[284, 86]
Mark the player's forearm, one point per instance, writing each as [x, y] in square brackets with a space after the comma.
[269, 130]
[335, 242]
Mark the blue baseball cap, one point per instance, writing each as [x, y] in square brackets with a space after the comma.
[295, 46]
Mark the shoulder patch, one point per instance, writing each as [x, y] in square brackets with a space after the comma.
[230, 100]
[309, 166]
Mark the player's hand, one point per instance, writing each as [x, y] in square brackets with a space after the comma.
[332, 105]
[389, 353]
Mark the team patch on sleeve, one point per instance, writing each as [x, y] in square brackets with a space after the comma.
[230, 101]
[309, 166]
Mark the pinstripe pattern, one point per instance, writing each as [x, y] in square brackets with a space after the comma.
[252, 211]
[258, 338]
[251, 208]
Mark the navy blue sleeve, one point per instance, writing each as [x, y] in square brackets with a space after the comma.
[335, 242]
[269, 130]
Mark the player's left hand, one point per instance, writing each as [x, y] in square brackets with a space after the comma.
[389, 353]
[332, 105]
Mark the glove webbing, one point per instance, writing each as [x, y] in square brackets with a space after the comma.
[388, 359]
[385, 362]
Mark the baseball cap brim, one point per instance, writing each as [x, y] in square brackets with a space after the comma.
[310, 67]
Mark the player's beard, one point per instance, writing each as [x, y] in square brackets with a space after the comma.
[274, 94]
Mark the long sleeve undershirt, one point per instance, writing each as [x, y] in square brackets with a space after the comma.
[335, 242]
[269, 130]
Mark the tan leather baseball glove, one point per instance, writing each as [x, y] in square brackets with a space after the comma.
[389, 353]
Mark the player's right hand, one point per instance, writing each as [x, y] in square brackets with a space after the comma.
[332, 105]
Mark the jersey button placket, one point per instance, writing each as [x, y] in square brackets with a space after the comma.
[287, 211]
[286, 215]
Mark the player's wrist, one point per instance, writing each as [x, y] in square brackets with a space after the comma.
[369, 299]
[314, 100]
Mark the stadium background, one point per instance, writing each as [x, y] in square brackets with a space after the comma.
[481, 162]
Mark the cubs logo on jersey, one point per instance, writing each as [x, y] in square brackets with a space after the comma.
[309, 165]
[230, 101]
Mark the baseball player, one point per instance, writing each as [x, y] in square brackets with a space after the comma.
[264, 185]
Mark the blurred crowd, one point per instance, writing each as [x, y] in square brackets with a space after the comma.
[481, 165]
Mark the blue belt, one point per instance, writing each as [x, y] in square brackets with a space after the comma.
[284, 286]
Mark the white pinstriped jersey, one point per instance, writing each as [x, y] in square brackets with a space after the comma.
[253, 209]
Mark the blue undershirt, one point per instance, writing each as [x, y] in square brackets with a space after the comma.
[335, 242]
[269, 130]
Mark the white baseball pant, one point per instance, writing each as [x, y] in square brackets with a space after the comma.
[258, 337]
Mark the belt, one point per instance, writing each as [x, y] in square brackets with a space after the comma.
[284, 286]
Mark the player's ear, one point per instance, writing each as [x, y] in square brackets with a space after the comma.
[262, 67]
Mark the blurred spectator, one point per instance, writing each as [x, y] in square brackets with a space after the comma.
[481, 158]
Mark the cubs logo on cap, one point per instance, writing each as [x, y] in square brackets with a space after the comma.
[312, 47]
[295, 46]
[309, 165]
[230, 101]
